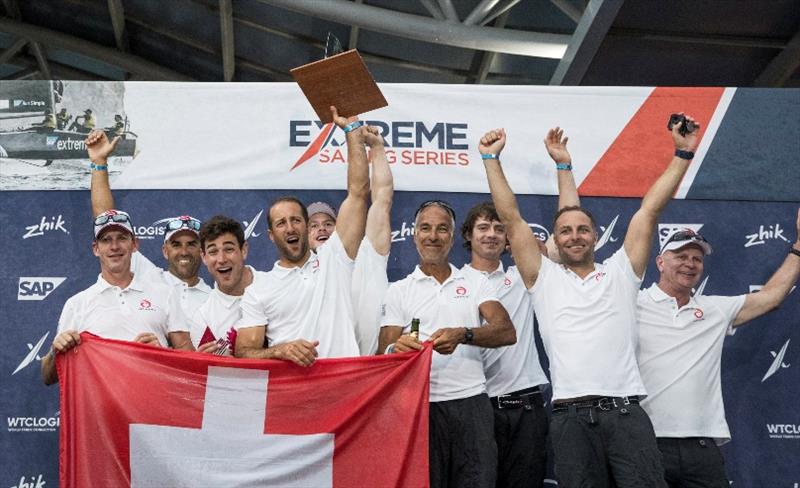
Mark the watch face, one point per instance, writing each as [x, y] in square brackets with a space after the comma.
[468, 335]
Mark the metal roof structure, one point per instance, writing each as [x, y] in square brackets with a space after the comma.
[515, 42]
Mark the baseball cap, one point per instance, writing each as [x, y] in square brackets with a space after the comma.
[682, 238]
[112, 218]
[321, 207]
[179, 224]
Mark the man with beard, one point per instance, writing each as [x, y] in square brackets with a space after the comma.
[587, 319]
[121, 305]
[303, 306]
[369, 273]
[680, 350]
[451, 311]
[181, 246]
[224, 254]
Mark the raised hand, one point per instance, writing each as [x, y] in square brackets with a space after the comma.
[372, 136]
[341, 121]
[688, 142]
[99, 147]
[493, 142]
[556, 144]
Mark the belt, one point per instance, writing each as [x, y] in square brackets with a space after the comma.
[527, 399]
[603, 403]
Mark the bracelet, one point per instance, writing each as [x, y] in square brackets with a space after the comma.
[352, 126]
[688, 155]
[490, 156]
[564, 166]
[99, 167]
[794, 251]
[389, 349]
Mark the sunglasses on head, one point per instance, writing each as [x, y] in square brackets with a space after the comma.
[105, 218]
[438, 203]
[184, 222]
[684, 235]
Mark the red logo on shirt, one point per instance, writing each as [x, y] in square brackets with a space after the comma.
[507, 281]
[461, 290]
[145, 305]
[599, 276]
[698, 313]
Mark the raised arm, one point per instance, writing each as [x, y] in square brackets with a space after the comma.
[100, 148]
[526, 252]
[638, 239]
[556, 144]
[379, 225]
[353, 212]
[776, 289]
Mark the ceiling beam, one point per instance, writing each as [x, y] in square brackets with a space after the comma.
[433, 9]
[117, 12]
[41, 59]
[12, 50]
[484, 59]
[228, 52]
[568, 9]
[589, 34]
[58, 70]
[24, 74]
[480, 12]
[711, 40]
[448, 10]
[114, 57]
[410, 26]
[499, 10]
[782, 66]
[353, 41]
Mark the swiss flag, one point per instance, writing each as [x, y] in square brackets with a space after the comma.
[136, 415]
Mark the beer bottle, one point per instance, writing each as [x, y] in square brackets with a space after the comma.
[415, 328]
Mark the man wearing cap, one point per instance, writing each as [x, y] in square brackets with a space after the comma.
[680, 349]
[369, 273]
[181, 246]
[452, 310]
[303, 306]
[587, 319]
[88, 124]
[224, 254]
[48, 124]
[121, 305]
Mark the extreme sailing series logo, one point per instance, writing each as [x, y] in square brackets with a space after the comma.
[407, 142]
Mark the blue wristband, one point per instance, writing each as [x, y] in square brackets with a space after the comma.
[99, 167]
[564, 166]
[352, 126]
[689, 155]
[490, 156]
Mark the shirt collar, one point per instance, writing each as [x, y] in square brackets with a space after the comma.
[102, 285]
[500, 269]
[173, 280]
[455, 274]
[282, 272]
[658, 295]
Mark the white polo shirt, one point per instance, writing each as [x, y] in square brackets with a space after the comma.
[516, 367]
[588, 328]
[453, 303]
[369, 287]
[311, 302]
[680, 350]
[190, 297]
[115, 313]
[220, 313]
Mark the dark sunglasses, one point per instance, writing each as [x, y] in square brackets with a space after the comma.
[684, 235]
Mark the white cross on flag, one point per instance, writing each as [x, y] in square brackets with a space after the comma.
[140, 416]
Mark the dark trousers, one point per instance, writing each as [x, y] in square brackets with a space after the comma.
[693, 462]
[462, 449]
[612, 448]
[521, 435]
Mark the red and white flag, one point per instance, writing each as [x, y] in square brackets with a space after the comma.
[140, 416]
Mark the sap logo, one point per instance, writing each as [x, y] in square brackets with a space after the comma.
[783, 431]
[36, 482]
[33, 354]
[777, 363]
[539, 231]
[770, 233]
[37, 288]
[403, 232]
[666, 230]
[250, 230]
[34, 424]
[51, 140]
[46, 225]
[607, 234]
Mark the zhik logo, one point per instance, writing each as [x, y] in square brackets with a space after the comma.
[33, 354]
[45, 225]
[777, 363]
[37, 288]
[403, 232]
[666, 230]
[764, 234]
[251, 226]
[35, 482]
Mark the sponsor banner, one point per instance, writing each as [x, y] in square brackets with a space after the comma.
[266, 136]
[233, 422]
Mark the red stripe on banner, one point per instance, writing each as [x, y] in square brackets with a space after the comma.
[643, 150]
[315, 146]
[154, 417]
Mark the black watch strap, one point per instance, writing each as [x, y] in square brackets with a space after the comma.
[468, 335]
[688, 155]
[793, 250]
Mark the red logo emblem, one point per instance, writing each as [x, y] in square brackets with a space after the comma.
[599, 276]
[145, 303]
[698, 313]
[507, 281]
[461, 290]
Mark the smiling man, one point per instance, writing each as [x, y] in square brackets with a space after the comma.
[587, 319]
[303, 306]
[680, 352]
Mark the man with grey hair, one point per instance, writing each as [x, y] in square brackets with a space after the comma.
[450, 311]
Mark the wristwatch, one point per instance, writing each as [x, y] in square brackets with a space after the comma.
[468, 335]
